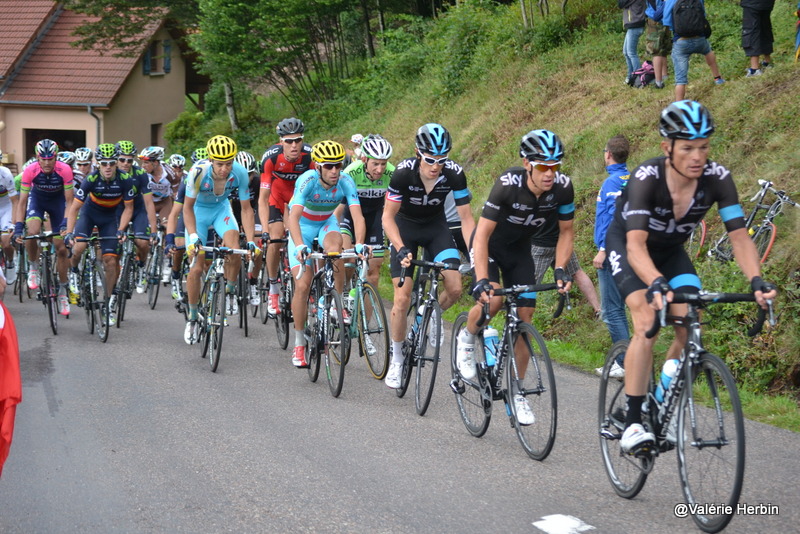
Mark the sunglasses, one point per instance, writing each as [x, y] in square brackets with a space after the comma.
[84, 164]
[126, 160]
[434, 161]
[292, 140]
[331, 166]
[108, 163]
[544, 167]
[177, 167]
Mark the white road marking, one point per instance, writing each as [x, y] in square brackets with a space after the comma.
[561, 524]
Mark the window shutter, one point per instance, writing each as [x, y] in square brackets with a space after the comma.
[167, 55]
[146, 62]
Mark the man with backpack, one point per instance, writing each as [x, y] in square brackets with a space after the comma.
[690, 29]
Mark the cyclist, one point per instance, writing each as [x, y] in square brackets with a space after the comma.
[177, 163]
[520, 201]
[47, 184]
[199, 154]
[665, 199]
[208, 188]
[371, 174]
[95, 205]
[311, 215]
[68, 157]
[83, 164]
[414, 217]
[8, 207]
[144, 211]
[248, 161]
[151, 158]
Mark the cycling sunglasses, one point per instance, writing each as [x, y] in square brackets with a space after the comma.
[434, 161]
[292, 140]
[544, 167]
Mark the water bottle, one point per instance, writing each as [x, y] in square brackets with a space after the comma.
[490, 342]
[667, 374]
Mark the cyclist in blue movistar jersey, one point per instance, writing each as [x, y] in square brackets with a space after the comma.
[665, 199]
[317, 194]
[207, 206]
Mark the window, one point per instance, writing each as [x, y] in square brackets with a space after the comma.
[155, 134]
[157, 59]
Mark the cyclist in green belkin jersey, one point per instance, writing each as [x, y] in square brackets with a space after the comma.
[371, 172]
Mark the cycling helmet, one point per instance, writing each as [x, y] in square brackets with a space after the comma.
[357, 139]
[83, 154]
[28, 163]
[176, 160]
[106, 151]
[126, 148]
[376, 147]
[247, 160]
[221, 148]
[541, 145]
[433, 139]
[46, 148]
[152, 153]
[686, 119]
[290, 126]
[66, 157]
[327, 152]
[199, 154]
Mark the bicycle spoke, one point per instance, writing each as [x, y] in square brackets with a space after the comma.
[473, 400]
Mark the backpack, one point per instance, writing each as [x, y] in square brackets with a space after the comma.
[642, 76]
[689, 19]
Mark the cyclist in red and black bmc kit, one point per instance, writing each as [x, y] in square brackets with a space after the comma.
[665, 199]
[281, 164]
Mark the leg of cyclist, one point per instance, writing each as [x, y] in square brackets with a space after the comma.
[276, 231]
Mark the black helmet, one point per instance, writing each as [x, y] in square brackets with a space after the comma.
[686, 119]
[433, 139]
[290, 126]
[541, 145]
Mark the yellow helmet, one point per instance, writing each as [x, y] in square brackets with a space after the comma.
[327, 152]
[221, 148]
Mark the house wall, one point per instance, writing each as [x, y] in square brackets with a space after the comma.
[17, 119]
[145, 100]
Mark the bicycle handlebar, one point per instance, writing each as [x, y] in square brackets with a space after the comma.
[435, 265]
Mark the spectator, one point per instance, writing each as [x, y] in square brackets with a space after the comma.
[10, 382]
[633, 19]
[683, 46]
[658, 39]
[757, 36]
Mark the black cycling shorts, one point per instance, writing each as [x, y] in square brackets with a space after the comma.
[434, 236]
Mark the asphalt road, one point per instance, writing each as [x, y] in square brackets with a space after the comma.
[137, 435]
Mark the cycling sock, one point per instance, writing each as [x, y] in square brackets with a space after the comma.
[397, 351]
[299, 338]
[274, 287]
[140, 264]
[33, 266]
[230, 287]
[466, 337]
[634, 415]
[253, 280]
[192, 313]
[63, 289]
[74, 268]
[176, 275]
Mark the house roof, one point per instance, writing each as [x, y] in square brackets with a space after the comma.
[23, 21]
[57, 73]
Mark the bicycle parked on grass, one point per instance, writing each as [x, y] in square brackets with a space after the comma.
[48, 284]
[526, 371]
[93, 296]
[326, 333]
[369, 324]
[700, 416]
[762, 230]
[423, 342]
[211, 318]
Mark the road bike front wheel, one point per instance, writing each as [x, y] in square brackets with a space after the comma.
[216, 325]
[49, 293]
[154, 270]
[125, 288]
[313, 329]
[373, 331]
[764, 238]
[100, 301]
[626, 473]
[530, 374]
[711, 453]
[427, 356]
[473, 397]
[204, 312]
[263, 292]
[337, 343]
[87, 297]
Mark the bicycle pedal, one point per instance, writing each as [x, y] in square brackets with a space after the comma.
[457, 386]
[644, 450]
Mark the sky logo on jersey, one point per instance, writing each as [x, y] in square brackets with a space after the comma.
[715, 169]
[530, 220]
[425, 201]
[645, 171]
[511, 179]
[613, 259]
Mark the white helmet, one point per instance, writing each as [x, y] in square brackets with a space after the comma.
[376, 147]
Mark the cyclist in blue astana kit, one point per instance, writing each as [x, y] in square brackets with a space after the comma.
[518, 204]
[665, 199]
[207, 206]
[414, 217]
[371, 173]
[317, 194]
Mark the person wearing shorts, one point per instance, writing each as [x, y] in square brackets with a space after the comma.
[658, 40]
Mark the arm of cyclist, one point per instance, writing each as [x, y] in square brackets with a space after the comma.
[295, 232]
[190, 222]
[480, 253]
[360, 228]
[564, 247]
[71, 218]
[744, 250]
[641, 263]
[127, 215]
[390, 210]
[467, 221]
[69, 200]
[19, 216]
[150, 209]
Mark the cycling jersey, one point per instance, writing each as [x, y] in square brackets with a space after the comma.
[274, 165]
[646, 203]
[371, 193]
[105, 195]
[519, 213]
[407, 187]
[51, 185]
[161, 189]
[200, 185]
[7, 191]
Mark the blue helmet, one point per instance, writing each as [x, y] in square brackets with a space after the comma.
[433, 139]
[541, 145]
[686, 119]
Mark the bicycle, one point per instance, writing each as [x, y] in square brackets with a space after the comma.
[48, 283]
[522, 366]
[243, 288]
[420, 337]
[326, 332]
[154, 267]
[697, 238]
[211, 309]
[285, 294]
[368, 324]
[700, 416]
[21, 283]
[127, 277]
[763, 231]
[93, 296]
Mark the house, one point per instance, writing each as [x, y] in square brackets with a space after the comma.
[50, 89]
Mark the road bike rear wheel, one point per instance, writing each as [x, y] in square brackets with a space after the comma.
[49, 293]
[21, 283]
[216, 325]
[694, 245]
[764, 238]
[427, 356]
[535, 381]
[711, 454]
[203, 317]
[87, 296]
[243, 296]
[263, 292]
[313, 329]
[125, 288]
[473, 397]
[100, 301]
[626, 473]
[337, 343]
[373, 331]
[154, 271]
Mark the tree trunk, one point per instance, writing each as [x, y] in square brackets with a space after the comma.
[370, 45]
[524, 14]
[230, 106]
